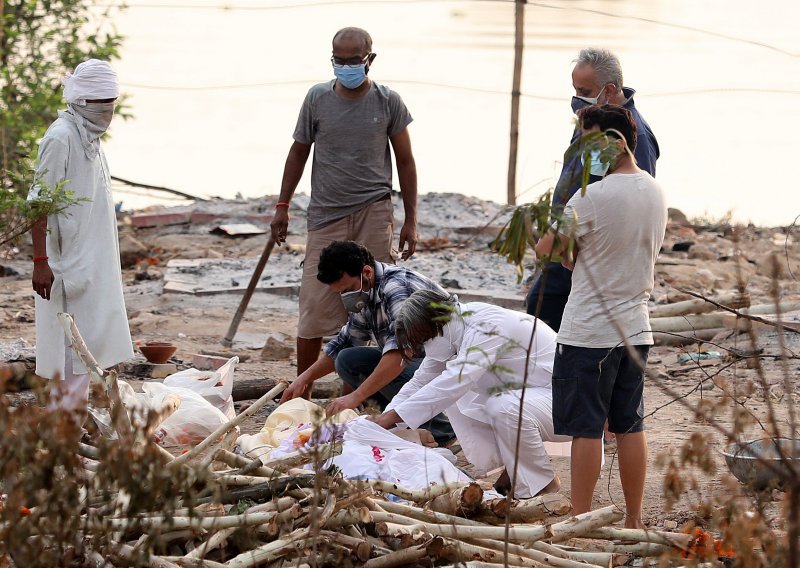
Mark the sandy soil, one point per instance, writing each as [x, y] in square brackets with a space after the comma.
[458, 229]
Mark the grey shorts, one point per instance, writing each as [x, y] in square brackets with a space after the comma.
[591, 386]
[321, 310]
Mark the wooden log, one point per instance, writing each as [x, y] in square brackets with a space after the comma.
[121, 421]
[173, 523]
[535, 553]
[733, 300]
[524, 510]
[197, 563]
[252, 388]
[359, 548]
[458, 551]
[271, 551]
[347, 518]
[640, 549]
[228, 426]
[263, 491]
[579, 525]
[404, 557]
[414, 514]
[246, 465]
[461, 501]
[127, 552]
[416, 495]
[640, 535]
[220, 537]
[679, 324]
[600, 558]
[575, 526]
[677, 339]
[225, 444]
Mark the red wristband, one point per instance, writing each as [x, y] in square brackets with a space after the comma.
[40, 258]
[282, 204]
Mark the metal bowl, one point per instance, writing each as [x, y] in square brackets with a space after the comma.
[743, 462]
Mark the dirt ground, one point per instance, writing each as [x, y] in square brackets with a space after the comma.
[454, 250]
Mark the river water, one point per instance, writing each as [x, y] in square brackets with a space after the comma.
[215, 87]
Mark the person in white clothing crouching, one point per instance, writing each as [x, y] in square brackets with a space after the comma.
[483, 364]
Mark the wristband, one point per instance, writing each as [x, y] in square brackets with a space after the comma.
[282, 204]
[40, 258]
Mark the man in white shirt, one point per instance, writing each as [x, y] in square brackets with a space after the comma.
[76, 265]
[482, 363]
[618, 227]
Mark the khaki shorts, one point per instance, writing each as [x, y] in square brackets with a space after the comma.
[321, 310]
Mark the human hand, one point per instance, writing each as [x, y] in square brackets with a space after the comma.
[42, 279]
[387, 419]
[348, 401]
[408, 236]
[294, 390]
[280, 224]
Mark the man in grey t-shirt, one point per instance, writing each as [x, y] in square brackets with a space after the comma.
[352, 122]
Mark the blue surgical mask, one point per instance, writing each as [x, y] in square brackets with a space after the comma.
[596, 167]
[356, 300]
[351, 76]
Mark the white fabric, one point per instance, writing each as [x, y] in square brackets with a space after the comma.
[83, 248]
[480, 387]
[620, 228]
[92, 80]
[371, 452]
[92, 121]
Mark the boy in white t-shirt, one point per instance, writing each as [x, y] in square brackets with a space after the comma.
[618, 227]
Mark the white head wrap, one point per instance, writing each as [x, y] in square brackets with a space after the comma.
[92, 79]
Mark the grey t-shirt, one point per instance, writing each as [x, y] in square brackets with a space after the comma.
[352, 165]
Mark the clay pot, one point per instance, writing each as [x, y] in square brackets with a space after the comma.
[157, 352]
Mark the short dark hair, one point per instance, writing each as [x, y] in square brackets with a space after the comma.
[359, 33]
[611, 116]
[340, 257]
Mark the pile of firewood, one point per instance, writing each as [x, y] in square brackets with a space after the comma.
[253, 512]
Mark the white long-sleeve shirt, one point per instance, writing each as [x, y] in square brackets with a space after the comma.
[492, 357]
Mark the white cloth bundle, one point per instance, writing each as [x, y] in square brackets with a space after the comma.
[92, 80]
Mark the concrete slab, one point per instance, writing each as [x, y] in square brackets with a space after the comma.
[500, 298]
[161, 218]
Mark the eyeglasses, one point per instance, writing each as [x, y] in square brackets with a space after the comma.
[349, 61]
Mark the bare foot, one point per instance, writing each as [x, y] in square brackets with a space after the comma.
[551, 487]
[632, 522]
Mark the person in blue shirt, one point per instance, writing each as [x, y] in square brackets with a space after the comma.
[597, 79]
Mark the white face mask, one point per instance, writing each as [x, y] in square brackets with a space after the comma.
[442, 347]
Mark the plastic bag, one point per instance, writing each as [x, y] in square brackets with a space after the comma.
[214, 386]
[194, 420]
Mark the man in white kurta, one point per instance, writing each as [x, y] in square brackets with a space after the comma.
[481, 363]
[76, 253]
